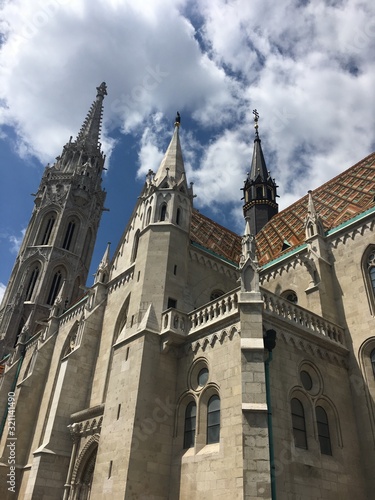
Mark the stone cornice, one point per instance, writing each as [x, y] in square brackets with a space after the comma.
[214, 263]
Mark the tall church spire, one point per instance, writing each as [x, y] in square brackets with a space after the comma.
[89, 134]
[55, 254]
[171, 171]
[259, 189]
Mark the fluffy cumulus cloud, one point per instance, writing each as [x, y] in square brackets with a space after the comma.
[307, 66]
[2, 291]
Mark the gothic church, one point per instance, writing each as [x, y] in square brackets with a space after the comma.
[200, 365]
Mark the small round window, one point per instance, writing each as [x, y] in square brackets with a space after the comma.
[202, 377]
[306, 380]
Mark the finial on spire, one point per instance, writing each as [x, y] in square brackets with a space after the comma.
[256, 119]
[177, 120]
[101, 90]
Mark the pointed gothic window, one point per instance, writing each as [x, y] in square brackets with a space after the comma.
[190, 424]
[163, 212]
[371, 270]
[368, 269]
[67, 243]
[31, 284]
[299, 424]
[213, 419]
[148, 216]
[323, 431]
[135, 246]
[178, 216]
[55, 286]
[47, 230]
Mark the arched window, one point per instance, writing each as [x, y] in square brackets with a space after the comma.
[213, 419]
[371, 269]
[372, 357]
[148, 216]
[135, 246]
[178, 216]
[163, 212]
[68, 238]
[299, 424]
[46, 231]
[55, 286]
[323, 431]
[368, 269]
[31, 284]
[190, 425]
[259, 191]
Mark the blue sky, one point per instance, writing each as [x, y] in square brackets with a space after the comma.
[308, 67]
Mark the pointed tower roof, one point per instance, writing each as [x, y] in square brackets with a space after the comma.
[172, 166]
[89, 134]
[103, 268]
[105, 259]
[258, 164]
[313, 223]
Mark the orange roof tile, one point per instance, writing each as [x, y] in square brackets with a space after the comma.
[338, 200]
[215, 237]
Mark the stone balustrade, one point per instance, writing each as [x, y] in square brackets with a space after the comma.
[226, 306]
[295, 314]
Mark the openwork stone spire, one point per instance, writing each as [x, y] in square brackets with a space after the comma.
[89, 134]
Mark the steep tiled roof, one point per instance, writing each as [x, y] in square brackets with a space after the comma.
[214, 237]
[338, 200]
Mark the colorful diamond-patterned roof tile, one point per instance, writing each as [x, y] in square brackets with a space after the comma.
[338, 200]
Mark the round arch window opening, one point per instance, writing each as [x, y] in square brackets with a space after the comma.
[306, 380]
[202, 377]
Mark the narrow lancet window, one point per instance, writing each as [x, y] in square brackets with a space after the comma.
[46, 232]
[55, 286]
[299, 424]
[323, 431]
[69, 235]
[190, 424]
[31, 284]
[213, 420]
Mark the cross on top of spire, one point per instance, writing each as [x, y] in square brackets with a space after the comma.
[256, 119]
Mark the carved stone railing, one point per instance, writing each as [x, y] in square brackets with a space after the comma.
[226, 306]
[216, 311]
[174, 321]
[296, 315]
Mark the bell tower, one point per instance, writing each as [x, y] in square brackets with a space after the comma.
[56, 251]
[259, 189]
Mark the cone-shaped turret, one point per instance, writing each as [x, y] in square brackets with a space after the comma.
[103, 268]
[171, 171]
[313, 223]
[258, 171]
[260, 189]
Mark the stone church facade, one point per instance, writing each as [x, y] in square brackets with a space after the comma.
[199, 365]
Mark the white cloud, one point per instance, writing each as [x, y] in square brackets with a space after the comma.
[308, 67]
[2, 291]
[15, 241]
